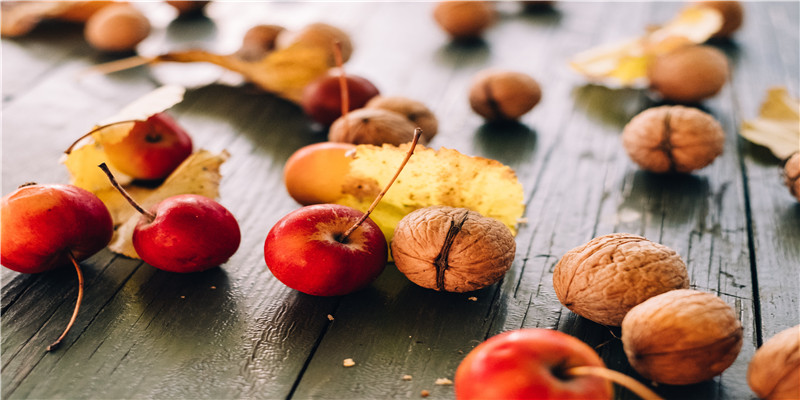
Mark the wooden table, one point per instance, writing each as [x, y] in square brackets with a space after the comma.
[237, 332]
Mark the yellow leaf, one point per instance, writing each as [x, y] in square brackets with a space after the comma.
[625, 63]
[198, 174]
[431, 177]
[778, 124]
[284, 72]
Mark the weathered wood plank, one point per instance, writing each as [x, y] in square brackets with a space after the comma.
[236, 332]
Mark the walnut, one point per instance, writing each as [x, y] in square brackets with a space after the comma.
[503, 95]
[681, 337]
[258, 41]
[374, 126]
[452, 249]
[606, 277]
[689, 74]
[320, 35]
[673, 139]
[414, 110]
[774, 371]
[791, 174]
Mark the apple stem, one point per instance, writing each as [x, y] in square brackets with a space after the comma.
[75, 143]
[337, 54]
[125, 194]
[617, 377]
[417, 134]
[57, 343]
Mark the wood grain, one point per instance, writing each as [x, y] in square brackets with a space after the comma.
[237, 332]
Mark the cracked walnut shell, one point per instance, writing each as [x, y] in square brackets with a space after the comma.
[774, 370]
[681, 337]
[673, 139]
[606, 277]
[452, 249]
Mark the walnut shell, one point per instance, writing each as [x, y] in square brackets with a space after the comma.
[673, 139]
[689, 74]
[452, 249]
[464, 19]
[732, 16]
[606, 277]
[791, 175]
[503, 95]
[374, 126]
[414, 110]
[681, 337]
[774, 370]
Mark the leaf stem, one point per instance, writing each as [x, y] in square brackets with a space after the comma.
[57, 343]
[617, 377]
[125, 194]
[417, 133]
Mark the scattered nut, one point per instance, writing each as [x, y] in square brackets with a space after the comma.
[606, 277]
[503, 95]
[791, 174]
[673, 139]
[689, 74]
[414, 110]
[348, 362]
[681, 337]
[443, 381]
[116, 28]
[258, 41]
[321, 35]
[732, 16]
[774, 370]
[372, 126]
[452, 249]
[464, 19]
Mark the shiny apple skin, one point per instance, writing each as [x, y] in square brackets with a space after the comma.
[41, 224]
[303, 252]
[152, 149]
[315, 173]
[322, 98]
[520, 364]
[190, 233]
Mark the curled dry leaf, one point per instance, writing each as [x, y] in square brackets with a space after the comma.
[625, 63]
[431, 177]
[284, 72]
[778, 124]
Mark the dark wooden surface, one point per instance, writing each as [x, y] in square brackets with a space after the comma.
[236, 332]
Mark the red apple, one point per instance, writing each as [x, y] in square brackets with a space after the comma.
[190, 233]
[152, 149]
[530, 364]
[307, 252]
[322, 98]
[42, 224]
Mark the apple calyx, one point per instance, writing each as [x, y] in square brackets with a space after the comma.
[57, 343]
[150, 216]
[614, 376]
[417, 134]
[99, 128]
